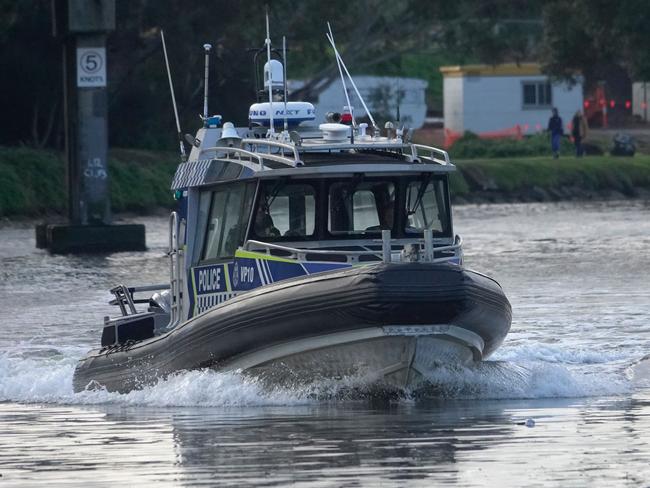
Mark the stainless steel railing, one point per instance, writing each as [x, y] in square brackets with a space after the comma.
[424, 250]
[175, 271]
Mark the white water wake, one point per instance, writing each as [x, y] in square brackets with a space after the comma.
[518, 373]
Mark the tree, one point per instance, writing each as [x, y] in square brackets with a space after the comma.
[374, 36]
[30, 75]
[603, 40]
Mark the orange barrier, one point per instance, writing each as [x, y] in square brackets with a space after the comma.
[516, 132]
[451, 137]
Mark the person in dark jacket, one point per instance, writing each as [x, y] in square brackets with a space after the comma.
[579, 128]
[557, 131]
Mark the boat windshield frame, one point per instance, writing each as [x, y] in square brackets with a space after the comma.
[322, 186]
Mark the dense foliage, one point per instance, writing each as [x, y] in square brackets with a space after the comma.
[33, 181]
[602, 39]
[555, 179]
[409, 38]
[471, 146]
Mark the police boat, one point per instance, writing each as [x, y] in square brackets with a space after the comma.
[305, 253]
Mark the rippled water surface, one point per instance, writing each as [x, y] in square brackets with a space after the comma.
[574, 365]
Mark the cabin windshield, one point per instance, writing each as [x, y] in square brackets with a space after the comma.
[285, 210]
[426, 206]
[356, 207]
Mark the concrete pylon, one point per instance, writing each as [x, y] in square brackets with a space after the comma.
[82, 27]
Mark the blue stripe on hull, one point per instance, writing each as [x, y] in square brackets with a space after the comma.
[213, 284]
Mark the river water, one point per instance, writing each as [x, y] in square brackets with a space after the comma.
[573, 365]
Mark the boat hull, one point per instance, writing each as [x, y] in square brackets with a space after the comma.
[394, 323]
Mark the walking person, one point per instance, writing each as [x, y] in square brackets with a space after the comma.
[557, 131]
[579, 132]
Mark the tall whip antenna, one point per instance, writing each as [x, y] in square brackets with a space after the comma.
[345, 88]
[270, 72]
[171, 88]
[284, 67]
[207, 48]
[365, 107]
[399, 100]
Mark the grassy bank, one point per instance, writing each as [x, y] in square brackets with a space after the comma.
[32, 182]
[545, 178]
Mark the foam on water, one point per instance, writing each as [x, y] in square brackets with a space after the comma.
[529, 372]
[555, 354]
[50, 380]
[639, 372]
[518, 380]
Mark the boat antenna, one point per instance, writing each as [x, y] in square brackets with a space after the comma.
[356, 90]
[171, 88]
[345, 88]
[207, 48]
[284, 67]
[399, 99]
[270, 72]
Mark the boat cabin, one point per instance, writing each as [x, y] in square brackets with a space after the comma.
[279, 199]
[266, 211]
[320, 210]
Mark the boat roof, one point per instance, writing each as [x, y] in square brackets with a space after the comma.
[270, 158]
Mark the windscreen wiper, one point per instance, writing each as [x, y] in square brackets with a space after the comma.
[418, 198]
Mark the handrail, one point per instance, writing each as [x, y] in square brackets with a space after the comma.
[281, 145]
[232, 150]
[260, 157]
[300, 253]
[123, 299]
[435, 154]
[432, 150]
[139, 289]
[175, 271]
[309, 251]
[458, 243]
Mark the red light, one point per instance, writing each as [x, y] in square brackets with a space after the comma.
[644, 105]
[612, 103]
[586, 104]
[526, 127]
[628, 104]
[346, 118]
[601, 102]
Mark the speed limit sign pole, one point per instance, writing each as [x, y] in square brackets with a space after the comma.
[82, 26]
[91, 148]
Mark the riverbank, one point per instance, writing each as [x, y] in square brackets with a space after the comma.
[538, 179]
[32, 181]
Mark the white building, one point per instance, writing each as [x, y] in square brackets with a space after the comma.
[380, 94]
[640, 99]
[484, 98]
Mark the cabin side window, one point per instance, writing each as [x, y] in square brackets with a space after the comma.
[357, 207]
[426, 206]
[205, 201]
[227, 222]
[285, 210]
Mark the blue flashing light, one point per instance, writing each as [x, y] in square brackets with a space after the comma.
[213, 121]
